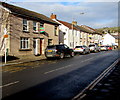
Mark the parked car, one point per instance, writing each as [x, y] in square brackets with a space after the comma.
[59, 51]
[109, 47]
[94, 48]
[103, 48]
[82, 49]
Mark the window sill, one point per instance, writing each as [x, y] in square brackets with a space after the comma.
[35, 32]
[26, 31]
[25, 49]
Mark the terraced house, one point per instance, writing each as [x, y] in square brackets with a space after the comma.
[24, 32]
[73, 35]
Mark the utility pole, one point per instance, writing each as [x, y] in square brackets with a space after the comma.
[73, 34]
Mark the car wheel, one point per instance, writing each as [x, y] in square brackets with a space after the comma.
[61, 55]
[89, 52]
[72, 54]
[95, 50]
[83, 52]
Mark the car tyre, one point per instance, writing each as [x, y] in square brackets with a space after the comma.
[72, 54]
[61, 55]
[83, 52]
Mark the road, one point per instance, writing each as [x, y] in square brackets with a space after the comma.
[57, 79]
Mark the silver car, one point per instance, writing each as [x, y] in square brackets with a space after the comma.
[81, 49]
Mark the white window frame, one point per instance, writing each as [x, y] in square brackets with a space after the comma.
[26, 25]
[35, 26]
[24, 43]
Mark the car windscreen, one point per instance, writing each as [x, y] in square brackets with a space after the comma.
[78, 46]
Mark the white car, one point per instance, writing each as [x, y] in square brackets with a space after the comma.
[103, 48]
[94, 48]
[81, 49]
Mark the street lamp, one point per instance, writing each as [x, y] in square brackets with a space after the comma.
[73, 28]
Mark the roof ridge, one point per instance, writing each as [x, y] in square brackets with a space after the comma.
[28, 13]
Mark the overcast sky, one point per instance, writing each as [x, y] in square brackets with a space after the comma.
[96, 14]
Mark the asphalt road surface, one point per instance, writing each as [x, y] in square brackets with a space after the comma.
[56, 79]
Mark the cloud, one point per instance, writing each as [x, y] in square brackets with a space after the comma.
[95, 14]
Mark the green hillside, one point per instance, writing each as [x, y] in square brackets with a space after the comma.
[109, 29]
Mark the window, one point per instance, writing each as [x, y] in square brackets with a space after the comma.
[49, 41]
[55, 30]
[24, 43]
[25, 25]
[34, 26]
[41, 25]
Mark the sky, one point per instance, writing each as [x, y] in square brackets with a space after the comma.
[93, 13]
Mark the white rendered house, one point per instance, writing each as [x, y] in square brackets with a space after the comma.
[68, 34]
[108, 39]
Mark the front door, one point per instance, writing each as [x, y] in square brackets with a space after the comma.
[40, 46]
[35, 46]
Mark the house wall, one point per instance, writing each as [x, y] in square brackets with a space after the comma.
[50, 30]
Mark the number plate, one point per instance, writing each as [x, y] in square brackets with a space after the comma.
[49, 50]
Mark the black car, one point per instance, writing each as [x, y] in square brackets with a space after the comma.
[59, 51]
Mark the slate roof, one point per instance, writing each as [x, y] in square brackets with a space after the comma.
[28, 14]
[76, 27]
[69, 25]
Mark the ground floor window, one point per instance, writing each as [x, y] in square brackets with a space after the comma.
[24, 43]
[50, 41]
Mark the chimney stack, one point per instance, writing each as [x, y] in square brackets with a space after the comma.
[74, 22]
[53, 16]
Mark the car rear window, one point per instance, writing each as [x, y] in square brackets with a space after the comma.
[51, 47]
[78, 46]
[91, 45]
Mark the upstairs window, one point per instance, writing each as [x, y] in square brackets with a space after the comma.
[41, 25]
[25, 25]
[34, 26]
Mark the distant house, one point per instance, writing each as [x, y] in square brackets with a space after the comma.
[108, 40]
[93, 35]
[28, 32]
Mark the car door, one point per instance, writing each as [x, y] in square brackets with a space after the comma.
[66, 50]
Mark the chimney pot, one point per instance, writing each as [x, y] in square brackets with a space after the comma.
[53, 16]
[74, 22]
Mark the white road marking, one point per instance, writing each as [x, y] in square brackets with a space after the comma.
[67, 66]
[58, 69]
[9, 84]
[87, 60]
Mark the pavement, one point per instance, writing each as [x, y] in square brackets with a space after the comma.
[22, 59]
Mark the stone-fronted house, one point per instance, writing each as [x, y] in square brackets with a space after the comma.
[28, 32]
